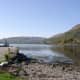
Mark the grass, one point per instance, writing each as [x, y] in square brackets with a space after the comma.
[7, 76]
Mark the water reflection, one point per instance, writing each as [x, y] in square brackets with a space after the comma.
[42, 52]
[71, 51]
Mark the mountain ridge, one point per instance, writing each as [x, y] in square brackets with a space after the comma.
[23, 40]
[71, 36]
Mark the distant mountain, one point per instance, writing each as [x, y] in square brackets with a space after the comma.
[24, 40]
[69, 37]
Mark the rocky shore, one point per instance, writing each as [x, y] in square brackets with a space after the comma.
[29, 69]
[39, 71]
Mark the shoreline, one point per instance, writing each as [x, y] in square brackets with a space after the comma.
[42, 71]
[38, 71]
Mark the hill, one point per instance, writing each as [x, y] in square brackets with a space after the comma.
[24, 40]
[69, 37]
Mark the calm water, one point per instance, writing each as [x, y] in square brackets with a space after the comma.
[43, 52]
[72, 51]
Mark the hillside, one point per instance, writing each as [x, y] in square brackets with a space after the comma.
[71, 36]
[24, 40]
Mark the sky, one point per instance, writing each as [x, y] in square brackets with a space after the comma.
[43, 18]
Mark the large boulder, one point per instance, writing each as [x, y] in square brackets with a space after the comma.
[7, 52]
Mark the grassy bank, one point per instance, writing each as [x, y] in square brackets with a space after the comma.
[7, 76]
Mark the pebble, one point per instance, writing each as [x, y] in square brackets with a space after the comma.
[38, 71]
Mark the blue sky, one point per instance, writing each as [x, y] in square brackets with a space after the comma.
[37, 17]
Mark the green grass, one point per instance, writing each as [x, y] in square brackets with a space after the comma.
[7, 76]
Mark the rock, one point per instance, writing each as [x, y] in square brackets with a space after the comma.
[38, 71]
[19, 58]
[2, 64]
[7, 50]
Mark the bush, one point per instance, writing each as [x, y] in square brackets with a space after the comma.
[7, 57]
